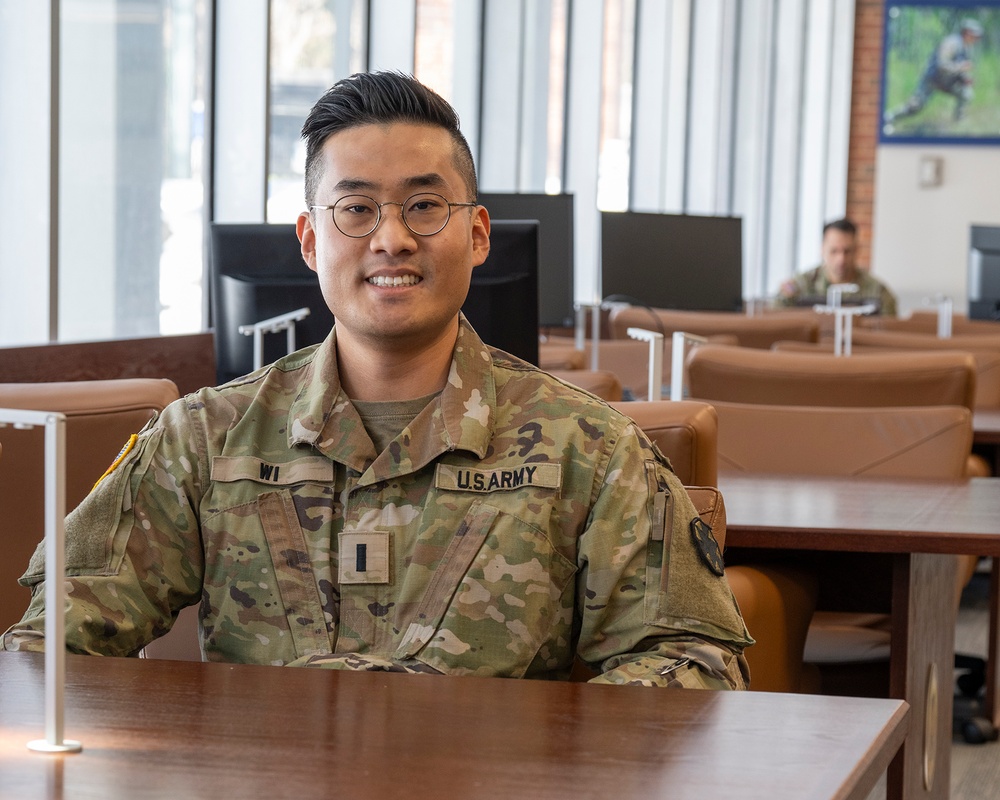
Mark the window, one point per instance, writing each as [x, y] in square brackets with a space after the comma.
[131, 146]
[313, 44]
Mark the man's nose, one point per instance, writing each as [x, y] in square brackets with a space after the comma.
[392, 235]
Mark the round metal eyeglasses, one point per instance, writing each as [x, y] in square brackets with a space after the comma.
[358, 215]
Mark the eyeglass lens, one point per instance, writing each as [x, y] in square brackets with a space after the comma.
[358, 215]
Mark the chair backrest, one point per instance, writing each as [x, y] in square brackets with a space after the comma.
[925, 340]
[100, 416]
[987, 359]
[756, 331]
[685, 431]
[915, 441]
[774, 377]
[926, 321]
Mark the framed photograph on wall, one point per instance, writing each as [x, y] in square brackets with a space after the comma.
[941, 72]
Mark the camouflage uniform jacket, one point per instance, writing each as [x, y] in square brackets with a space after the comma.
[814, 283]
[507, 529]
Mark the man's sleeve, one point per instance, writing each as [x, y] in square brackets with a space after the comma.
[887, 302]
[133, 555]
[655, 605]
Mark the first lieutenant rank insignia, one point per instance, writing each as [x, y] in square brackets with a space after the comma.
[363, 557]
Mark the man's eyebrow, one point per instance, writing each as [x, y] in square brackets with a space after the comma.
[353, 184]
[429, 180]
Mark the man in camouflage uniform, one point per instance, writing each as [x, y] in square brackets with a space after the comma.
[839, 249]
[948, 70]
[400, 497]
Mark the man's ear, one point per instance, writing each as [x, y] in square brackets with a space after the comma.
[307, 238]
[480, 235]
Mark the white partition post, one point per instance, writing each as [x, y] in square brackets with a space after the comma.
[843, 320]
[655, 359]
[944, 312]
[580, 332]
[282, 322]
[678, 355]
[836, 290]
[55, 569]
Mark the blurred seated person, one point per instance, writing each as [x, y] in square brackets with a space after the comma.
[838, 251]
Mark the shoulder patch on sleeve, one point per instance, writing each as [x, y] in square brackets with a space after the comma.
[707, 546]
[126, 449]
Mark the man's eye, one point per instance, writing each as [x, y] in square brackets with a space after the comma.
[423, 206]
[357, 208]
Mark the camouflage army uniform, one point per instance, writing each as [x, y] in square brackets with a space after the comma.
[815, 283]
[507, 528]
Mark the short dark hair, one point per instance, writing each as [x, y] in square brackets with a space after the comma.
[843, 225]
[380, 98]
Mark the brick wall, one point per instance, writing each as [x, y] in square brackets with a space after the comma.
[865, 116]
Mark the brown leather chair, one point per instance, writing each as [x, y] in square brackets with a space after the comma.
[100, 416]
[925, 321]
[985, 351]
[915, 442]
[777, 602]
[778, 377]
[757, 331]
[686, 432]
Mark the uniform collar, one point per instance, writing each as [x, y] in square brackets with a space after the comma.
[460, 418]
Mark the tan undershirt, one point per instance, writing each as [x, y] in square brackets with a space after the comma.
[385, 420]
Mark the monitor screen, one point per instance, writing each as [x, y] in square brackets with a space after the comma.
[257, 272]
[554, 213]
[674, 261]
[502, 303]
[984, 272]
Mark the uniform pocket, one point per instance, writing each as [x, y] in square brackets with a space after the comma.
[293, 571]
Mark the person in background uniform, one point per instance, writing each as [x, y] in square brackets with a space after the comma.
[838, 252]
[948, 70]
[401, 497]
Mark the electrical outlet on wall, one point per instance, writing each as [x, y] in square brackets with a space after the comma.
[931, 171]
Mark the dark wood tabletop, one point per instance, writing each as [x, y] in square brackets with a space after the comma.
[863, 515]
[191, 730]
[986, 426]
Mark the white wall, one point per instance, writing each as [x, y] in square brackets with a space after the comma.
[920, 235]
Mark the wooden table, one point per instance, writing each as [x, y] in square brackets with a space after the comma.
[920, 527]
[191, 730]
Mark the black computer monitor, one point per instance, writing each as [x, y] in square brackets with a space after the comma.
[502, 303]
[256, 273]
[554, 213]
[984, 272]
[675, 261]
